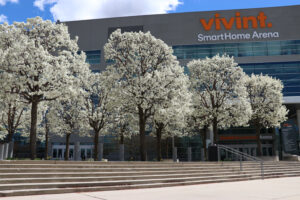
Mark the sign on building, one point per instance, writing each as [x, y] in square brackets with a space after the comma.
[290, 137]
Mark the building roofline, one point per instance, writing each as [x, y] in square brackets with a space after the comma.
[179, 13]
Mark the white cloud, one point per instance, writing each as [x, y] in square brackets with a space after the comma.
[3, 18]
[3, 2]
[41, 3]
[66, 10]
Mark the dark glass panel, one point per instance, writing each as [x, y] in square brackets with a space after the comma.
[259, 49]
[245, 49]
[93, 57]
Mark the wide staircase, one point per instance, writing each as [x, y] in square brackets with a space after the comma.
[53, 177]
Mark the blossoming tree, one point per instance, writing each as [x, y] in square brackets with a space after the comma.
[66, 115]
[266, 100]
[169, 118]
[220, 96]
[98, 105]
[39, 54]
[12, 108]
[146, 69]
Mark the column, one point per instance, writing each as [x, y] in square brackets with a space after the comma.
[100, 151]
[255, 152]
[298, 119]
[175, 154]
[202, 154]
[5, 154]
[189, 154]
[121, 156]
[50, 150]
[1, 151]
[11, 150]
[210, 134]
[77, 152]
[298, 122]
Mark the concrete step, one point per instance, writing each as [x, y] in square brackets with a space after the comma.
[110, 177]
[129, 181]
[81, 170]
[49, 177]
[70, 174]
[121, 187]
[34, 174]
[134, 164]
[150, 165]
[75, 177]
[115, 162]
[27, 166]
[107, 178]
[7, 193]
[112, 182]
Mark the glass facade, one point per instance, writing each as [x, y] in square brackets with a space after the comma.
[287, 72]
[93, 57]
[265, 48]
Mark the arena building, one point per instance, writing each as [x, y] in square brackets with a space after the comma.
[262, 40]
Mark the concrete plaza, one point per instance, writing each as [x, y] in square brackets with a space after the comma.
[269, 189]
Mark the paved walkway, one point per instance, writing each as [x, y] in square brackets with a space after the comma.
[270, 189]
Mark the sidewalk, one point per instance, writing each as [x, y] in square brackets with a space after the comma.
[269, 189]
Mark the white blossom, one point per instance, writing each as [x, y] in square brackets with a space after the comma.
[41, 57]
[169, 118]
[265, 94]
[147, 72]
[12, 108]
[220, 97]
[97, 105]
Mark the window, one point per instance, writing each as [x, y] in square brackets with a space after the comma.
[287, 72]
[93, 57]
[216, 49]
[54, 154]
[274, 48]
[96, 70]
[267, 48]
[259, 49]
[245, 49]
[231, 49]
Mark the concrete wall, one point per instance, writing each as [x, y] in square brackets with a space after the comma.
[183, 29]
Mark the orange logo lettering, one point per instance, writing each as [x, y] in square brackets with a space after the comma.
[241, 22]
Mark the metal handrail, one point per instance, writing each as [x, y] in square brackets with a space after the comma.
[241, 156]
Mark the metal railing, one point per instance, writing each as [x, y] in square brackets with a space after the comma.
[241, 156]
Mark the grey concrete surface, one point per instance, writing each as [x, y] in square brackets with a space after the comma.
[270, 189]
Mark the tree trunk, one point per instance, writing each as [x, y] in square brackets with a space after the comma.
[96, 142]
[167, 148]
[67, 152]
[123, 128]
[142, 126]
[122, 138]
[257, 132]
[274, 145]
[158, 144]
[203, 136]
[215, 130]
[46, 142]
[34, 109]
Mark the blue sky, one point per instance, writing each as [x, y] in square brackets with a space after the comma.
[66, 10]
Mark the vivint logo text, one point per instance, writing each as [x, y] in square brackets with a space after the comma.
[240, 22]
[237, 22]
